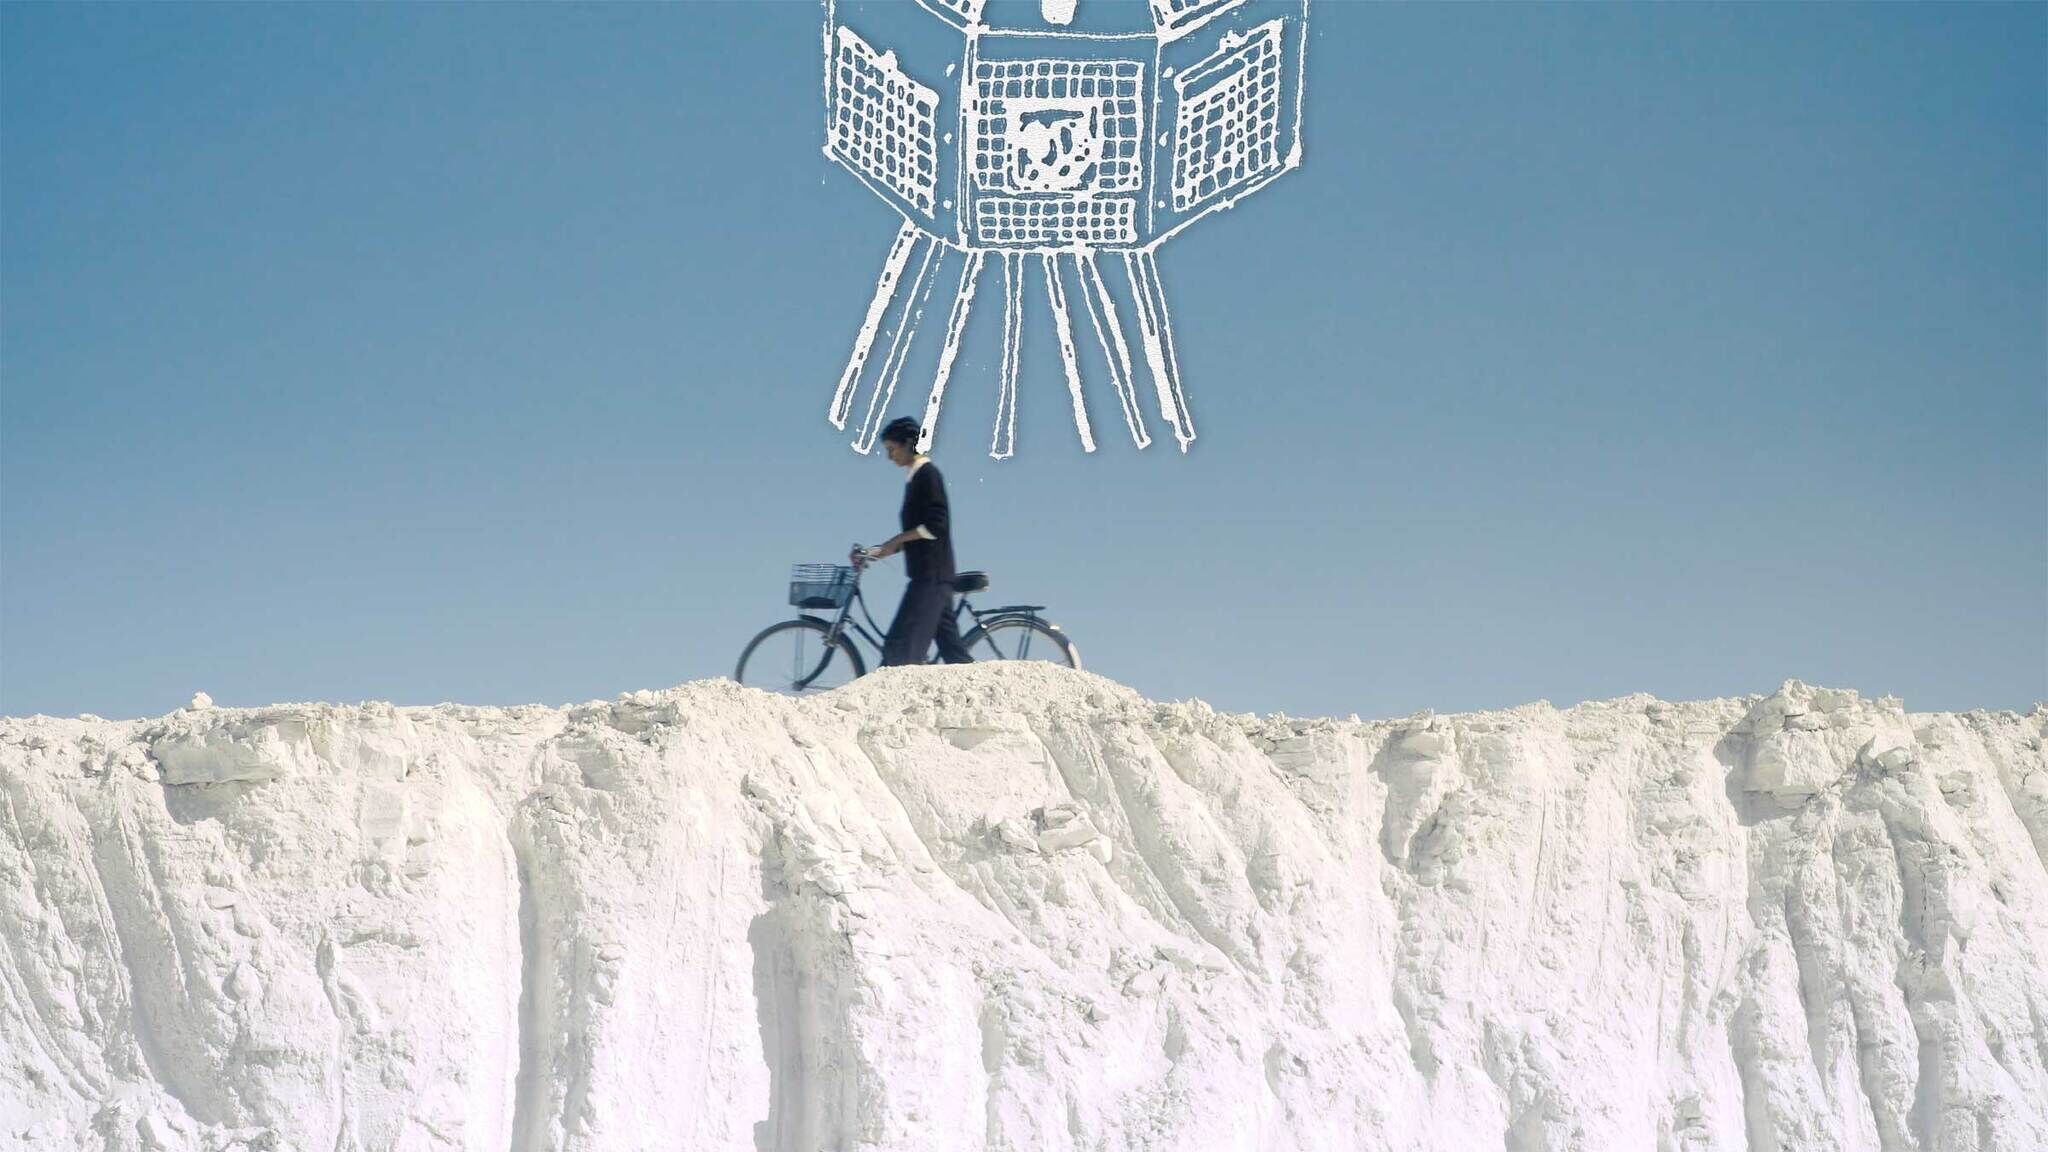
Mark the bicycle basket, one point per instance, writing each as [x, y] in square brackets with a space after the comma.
[820, 585]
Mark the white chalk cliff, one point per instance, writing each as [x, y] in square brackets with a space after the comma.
[1024, 908]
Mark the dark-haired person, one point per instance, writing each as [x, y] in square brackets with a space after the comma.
[929, 610]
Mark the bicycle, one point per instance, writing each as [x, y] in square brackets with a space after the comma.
[814, 654]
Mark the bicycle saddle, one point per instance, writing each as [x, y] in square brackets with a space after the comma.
[966, 582]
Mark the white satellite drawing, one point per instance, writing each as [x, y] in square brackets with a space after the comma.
[1077, 134]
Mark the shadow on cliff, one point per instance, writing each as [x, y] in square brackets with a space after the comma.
[776, 1007]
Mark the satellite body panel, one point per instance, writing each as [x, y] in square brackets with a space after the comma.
[989, 126]
[1056, 129]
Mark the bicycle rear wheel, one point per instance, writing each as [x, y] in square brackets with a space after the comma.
[1022, 638]
[798, 658]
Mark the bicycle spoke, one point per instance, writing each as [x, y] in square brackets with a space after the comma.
[1032, 640]
[797, 658]
[814, 670]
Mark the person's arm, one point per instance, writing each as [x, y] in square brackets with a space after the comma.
[894, 544]
[938, 514]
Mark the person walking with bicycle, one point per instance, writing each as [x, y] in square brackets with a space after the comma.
[821, 649]
[929, 611]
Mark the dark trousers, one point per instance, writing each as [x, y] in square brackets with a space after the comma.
[929, 611]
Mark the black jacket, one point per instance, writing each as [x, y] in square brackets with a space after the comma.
[924, 503]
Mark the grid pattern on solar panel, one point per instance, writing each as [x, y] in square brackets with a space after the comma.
[1003, 221]
[1228, 133]
[1111, 85]
[882, 122]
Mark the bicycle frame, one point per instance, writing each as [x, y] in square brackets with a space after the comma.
[873, 633]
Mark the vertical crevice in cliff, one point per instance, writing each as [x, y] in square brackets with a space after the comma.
[530, 1083]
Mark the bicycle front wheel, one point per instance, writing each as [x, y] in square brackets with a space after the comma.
[798, 658]
[1022, 638]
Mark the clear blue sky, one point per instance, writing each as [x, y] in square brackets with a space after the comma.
[480, 353]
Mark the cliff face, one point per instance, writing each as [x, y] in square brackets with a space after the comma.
[1023, 908]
